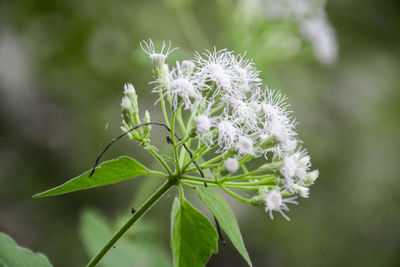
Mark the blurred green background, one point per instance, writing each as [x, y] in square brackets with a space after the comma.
[62, 69]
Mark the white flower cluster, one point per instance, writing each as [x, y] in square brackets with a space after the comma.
[233, 113]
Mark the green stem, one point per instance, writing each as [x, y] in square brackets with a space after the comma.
[180, 120]
[164, 110]
[214, 159]
[211, 184]
[196, 155]
[158, 173]
[194, 178]
[239, 177]
[240, 198]
[173, 119]
[235, 178]
[204, 167]
[162, 162]
[263, 182]
[137, 215]
[189, 182]
[183, 141]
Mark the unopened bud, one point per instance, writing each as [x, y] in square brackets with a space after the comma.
[231, 165]
[271, 167]
[305, 160]
[129, 91]
[301, 190]
[127, 112]
[147, 129]
[258, 200]
[203, 124]
[311, 177]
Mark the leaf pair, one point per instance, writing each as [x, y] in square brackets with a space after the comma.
[194, 238]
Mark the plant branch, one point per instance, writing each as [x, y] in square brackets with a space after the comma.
[136, 127]
[138, 214]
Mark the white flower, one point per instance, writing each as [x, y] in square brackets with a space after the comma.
[245, 114]
[289, 167]
[157, 58]
[302, 190]
[278, 123]
[215, 67]
[203, 124]
[295, 169]
[231, 165]
[245, 146]
[275, 202]
[179, 85]
[227, 134]
[245, 75]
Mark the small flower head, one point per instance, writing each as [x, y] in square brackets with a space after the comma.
[245, 146]
[203, 124]
[302, 190]
[157, 58]
[227, 134]
[179, 85]
[274, 202]
[245, 114]
[231, 165]
[215, 67]
[245, 75]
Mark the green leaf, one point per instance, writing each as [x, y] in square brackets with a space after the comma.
[193, 236]
[13, 255]
[109, 172]
[226, 219]
[131, 250]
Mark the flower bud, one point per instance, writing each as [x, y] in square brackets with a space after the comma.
[258, 200]
[127, 112]
[231, 165]
[311, 177]
[304, 161]
[270, 167]
[301, 190]
[245, 146]
[146, 129]
[203, 124]
[129, 91]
